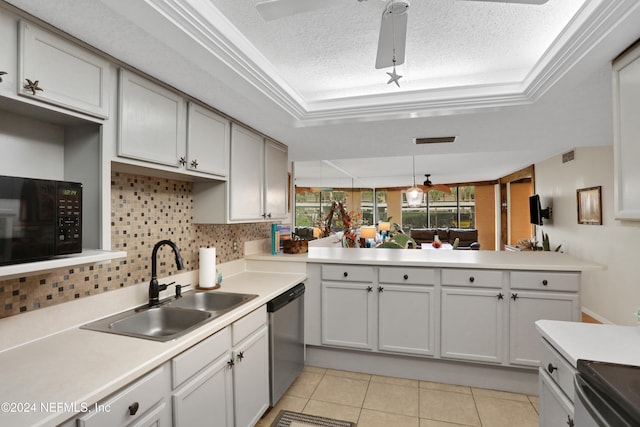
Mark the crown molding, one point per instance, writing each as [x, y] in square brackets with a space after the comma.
[206, 25]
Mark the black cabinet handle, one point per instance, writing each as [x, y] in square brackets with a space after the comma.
[194, 164]
[231, 363]
[514, 296]
[369, 289]
[345, 274]
[472, 279]
[500, 296]
[545, 282]
[2, 73]
[406, 276]
[133, 408]
[32, 86]
[569, 421]
[241, 355]
[551, 368]
[182, 161]
[380, 289]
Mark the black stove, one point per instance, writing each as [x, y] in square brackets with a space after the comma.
[611, 390]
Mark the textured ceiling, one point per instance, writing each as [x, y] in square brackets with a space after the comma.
[330, 53]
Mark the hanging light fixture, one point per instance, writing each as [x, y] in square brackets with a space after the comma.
[414, 194]
[393, 76]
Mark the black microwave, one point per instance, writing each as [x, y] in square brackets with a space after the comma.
[39, 219]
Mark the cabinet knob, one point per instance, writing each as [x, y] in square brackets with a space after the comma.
[182, 161]
[133, 408]
[545, 282]
[472, 279]
[194, 164]
[345, 274]
[514, 296]
[500, 296]
[551, 368]
[369, 289]
[380, 289]
[569, 421]
[269, 215]
[32, 86]
[231, 363]
[2, 73]
[406, 276]
[241, 355]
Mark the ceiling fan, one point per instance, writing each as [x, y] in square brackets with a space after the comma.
[428, 185]
[393, 28]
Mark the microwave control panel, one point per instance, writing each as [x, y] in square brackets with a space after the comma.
[69, 217]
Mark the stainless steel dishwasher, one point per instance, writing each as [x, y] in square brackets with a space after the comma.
[286, 340]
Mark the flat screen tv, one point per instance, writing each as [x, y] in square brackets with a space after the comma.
[536, 213]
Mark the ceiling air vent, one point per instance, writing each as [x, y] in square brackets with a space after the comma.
[568, 156]
[434, 140]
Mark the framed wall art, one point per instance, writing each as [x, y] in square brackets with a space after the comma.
[589, 205]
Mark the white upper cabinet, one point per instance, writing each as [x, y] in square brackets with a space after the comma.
[626, 131]
[208, 137]
[57, 71]
[8, 53]
[276, 180]
[151, 122]
[257, 187]
[247, 175]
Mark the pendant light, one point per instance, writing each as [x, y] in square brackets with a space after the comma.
[414, 194]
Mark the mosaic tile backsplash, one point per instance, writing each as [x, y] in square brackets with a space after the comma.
[144, 210]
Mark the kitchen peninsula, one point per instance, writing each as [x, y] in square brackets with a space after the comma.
[461, 317]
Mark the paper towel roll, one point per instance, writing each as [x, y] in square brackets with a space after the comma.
[207, 267]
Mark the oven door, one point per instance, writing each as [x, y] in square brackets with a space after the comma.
[592, 409]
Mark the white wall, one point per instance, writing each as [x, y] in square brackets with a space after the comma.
[611, 295]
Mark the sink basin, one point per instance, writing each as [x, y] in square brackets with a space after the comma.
[158, 323]
[216, 302]
[172, 319]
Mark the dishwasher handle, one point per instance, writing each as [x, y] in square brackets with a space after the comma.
[285, 298]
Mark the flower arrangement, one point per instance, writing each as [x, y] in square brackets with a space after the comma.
[351, 222]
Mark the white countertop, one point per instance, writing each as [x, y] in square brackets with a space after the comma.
[602, 343]
[79, 366]
[550, 261]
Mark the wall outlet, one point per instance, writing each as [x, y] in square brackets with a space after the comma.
[234, 246]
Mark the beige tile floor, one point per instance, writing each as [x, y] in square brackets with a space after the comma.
[376, 401]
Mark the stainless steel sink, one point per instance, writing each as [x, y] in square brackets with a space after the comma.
[158, 323]
[216, 302]
[173, 318]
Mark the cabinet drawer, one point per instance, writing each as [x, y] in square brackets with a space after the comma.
[248, 324]
[464, 277]
[199, 356]
[558, 369]
[544, 280]
[409, 276]
[143, 393]
[347, 273]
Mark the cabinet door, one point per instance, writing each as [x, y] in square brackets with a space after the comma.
[473, 324]
[246, 175]
[406, 319]
[347, 314]
[69, 75]
[152, 120]
[206, 400]
[251, 378]
[276, 182]
[8, 53]
[208, 136]
[527, 307]
[555, 409]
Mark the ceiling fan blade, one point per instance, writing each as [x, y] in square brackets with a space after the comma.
[514, 1]
[441, 187]
[275, 9]
[393, 33]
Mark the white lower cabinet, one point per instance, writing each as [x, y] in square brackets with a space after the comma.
[525, 308]
[142, 403]
[555, 408]
[406, 321]
[251, 378]
[347, 314]
[472, 325]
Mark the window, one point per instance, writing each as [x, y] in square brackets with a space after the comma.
[441, 210]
